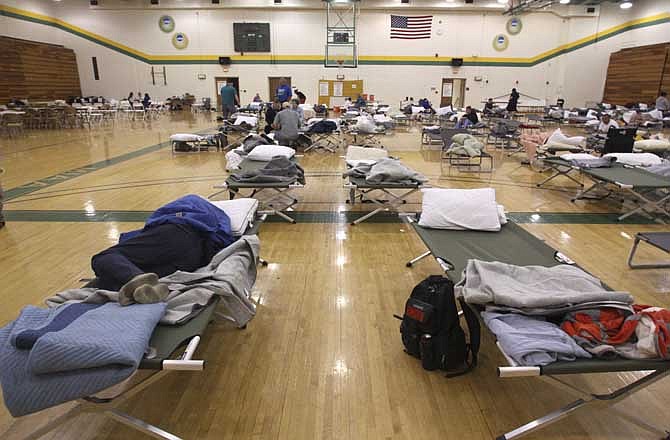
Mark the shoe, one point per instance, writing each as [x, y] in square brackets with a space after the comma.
[127, 290]
[149, 294]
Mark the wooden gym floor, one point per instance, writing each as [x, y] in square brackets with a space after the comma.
[323, 357]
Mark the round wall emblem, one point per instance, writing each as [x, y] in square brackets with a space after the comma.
[180, 40]
[166, 23]
[500, 42]
[514, 25]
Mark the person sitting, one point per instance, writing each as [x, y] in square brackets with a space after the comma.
[469, 118]
[360, 102]
[295, 106]
[488, 107]
[183, 235]
[146, 101]
[270, 114]
[662, 102]
[606, 123]
[301, 96]
[284, 92]
[286, 125]
[257, 98]
[636, 118]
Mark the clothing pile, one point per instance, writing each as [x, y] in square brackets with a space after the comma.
[386, 170]
[365, 124]
[51, 356]
[524, 305]
[322, 126]
[466, 145]
[230, 275]
[279, 169]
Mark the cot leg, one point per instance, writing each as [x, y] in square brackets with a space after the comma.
[543, 421]
[284, 216]
[140, 425]
[262, 261]
[366, 216]
[659, 265]
[417, 259]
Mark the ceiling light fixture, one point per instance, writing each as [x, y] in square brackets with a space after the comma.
[564, 2]
[626, 5]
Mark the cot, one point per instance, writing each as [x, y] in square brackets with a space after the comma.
[397, 193]
[659, 240]
[193, 143]
[280, 200]
[461, 161]
[367, 138]
[643, 187]
[164, 354]
[242, 126]
[559, 167]
[329, 140]
[514, 245]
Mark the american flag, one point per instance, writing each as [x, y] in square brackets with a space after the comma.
[415, 27]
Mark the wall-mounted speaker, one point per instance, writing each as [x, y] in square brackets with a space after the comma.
[224, 61]
[94, 2]
[154, 2]
[216, 2]
[404, 1]
[277, 2]
[457, 62]
[469, 2]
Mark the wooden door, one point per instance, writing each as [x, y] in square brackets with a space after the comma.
[273, 82]
[219, 82]
[447, 92]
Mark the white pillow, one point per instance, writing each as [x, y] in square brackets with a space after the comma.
[652, 145]
[361, 155]
[264, 153]
[636, 159]
[240, 211]
[185, 137]
[558, 137]
[460, 209]
[251, 120]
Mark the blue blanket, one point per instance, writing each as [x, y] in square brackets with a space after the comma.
[73, 354]
[194, 211]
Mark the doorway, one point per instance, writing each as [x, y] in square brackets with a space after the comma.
[273, 82]
[453, 92]
[219, 82]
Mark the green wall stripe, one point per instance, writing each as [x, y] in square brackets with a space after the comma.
[329, 217]
[593, 40]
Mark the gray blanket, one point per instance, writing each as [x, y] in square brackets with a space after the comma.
[532, 286]
[73, 356]
[278, 170]
[231, 275]
[596, 162]
[532, 341]
[386, 170]
[663, 169]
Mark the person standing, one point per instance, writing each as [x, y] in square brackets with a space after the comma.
[229, 98]
[284, 92]
[662, 102]
[513, 101]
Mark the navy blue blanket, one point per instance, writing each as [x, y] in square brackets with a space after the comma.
[194, 211]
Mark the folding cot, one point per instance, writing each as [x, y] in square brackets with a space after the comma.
[463, 162]
[643, 186]
[360, 189]
[186, 142]
[559, 167]
[162, 357]
[328, 140]
[241, 127]
[367, 138]
[659, 240]
[281, 198]
[514, 245]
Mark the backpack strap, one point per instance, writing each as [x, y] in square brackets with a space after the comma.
[474, 329]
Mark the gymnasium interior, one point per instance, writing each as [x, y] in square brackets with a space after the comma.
[335, 219]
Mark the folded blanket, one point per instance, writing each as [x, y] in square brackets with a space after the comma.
[532, 341]
[532, 286]
[278, 170]
[465, 144]
[598, 162]
[386, 170]
[99, 348]
[636, 159]
[230, 275]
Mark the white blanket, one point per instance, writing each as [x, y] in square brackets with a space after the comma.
[636, 159]
[558, 137]
[251, 120]
[361, 155]
[460, 209]
[578, 156]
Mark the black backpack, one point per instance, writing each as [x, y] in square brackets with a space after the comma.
[431, 330]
